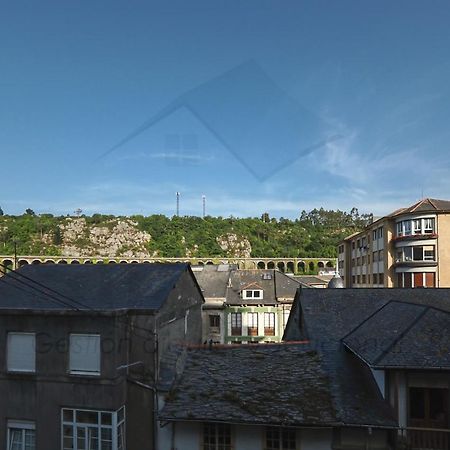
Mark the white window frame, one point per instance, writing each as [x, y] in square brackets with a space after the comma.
[81, 371]
[399, 227]
[117, 427]
[250, 294]
[9, 353]
[427, 229]
[25, 427]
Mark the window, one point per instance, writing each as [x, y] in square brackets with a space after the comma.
[84, 358]
[380, 233]
[428, 226]
[280, 438]
[428, 407]
[374, 235]
[381, 278]
[21, 352]
[21, 435]
[236, 324]
[363, 279]
[252, 324]
[269, 324]
[375, 256]
[430, 279]
[399, 228]
[216, 436]
[252, 293]
[381, 255]
[375, 278]
[93, 430]
[407, 227]
[214, 323]
[417, 226]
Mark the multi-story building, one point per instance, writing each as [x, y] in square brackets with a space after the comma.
[244, 306]
[408, 248]
[81, 348]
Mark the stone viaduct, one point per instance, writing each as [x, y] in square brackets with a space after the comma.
[289, 265]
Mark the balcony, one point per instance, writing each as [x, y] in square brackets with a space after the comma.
[415, 237]
[412, 438]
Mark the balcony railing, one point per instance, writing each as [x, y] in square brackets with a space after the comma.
[423, 438]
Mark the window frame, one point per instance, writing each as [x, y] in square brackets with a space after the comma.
[214, 328]
[216, 428]
[236, 323]
[8, 352]
[277, 436]
[252, 329]
[250, 294]
[23, 426]
[83, 372]
[116, 424]
[269, 317]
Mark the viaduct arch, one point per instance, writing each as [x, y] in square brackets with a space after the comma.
[288, 265]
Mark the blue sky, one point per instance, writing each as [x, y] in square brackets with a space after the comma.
[259, 105]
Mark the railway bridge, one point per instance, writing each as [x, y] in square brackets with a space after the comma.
[289, 265]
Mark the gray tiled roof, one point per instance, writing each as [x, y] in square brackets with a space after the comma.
[425, 205]
[277, 286]
[254, 384]
[96, 286]
[403, 335]
[325, 316]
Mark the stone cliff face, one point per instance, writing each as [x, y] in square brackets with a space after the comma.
[117, 237]
[235, 246]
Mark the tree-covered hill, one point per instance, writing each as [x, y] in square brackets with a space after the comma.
[314, 234]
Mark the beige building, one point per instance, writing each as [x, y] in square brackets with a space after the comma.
[408, 248]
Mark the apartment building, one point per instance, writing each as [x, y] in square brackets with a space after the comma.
[407, 248]
[83, 348]
[245, 306]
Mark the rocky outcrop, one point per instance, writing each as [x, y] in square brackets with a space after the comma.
[117, 237]
[235, 246]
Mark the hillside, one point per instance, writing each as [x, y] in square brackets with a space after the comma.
[313, 234]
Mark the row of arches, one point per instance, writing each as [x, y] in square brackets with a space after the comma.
[292, 267]
[289, 266]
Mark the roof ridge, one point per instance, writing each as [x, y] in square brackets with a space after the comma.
[401, 335]
[432, 203]
[416, 205]
[435, 308]
[366, 319]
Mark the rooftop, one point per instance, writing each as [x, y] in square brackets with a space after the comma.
[253, 384]
[403, 335]
[92, 286]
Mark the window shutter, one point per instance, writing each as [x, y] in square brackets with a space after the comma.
[85, 353]
[21, 352]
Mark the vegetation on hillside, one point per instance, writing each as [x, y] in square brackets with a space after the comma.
[313, 234]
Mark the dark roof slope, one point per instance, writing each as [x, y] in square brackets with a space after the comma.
[96, 286]
[325, 316]
[403, 335]
[425, 205]
[261, 384]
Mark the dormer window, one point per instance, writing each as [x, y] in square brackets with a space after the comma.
[252, 294]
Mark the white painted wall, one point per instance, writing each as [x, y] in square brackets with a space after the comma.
[380, 378]
[187, 436]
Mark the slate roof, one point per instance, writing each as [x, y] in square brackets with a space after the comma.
[213, 282]
[253, 384]
[96, 286]
[326, 316]
[279, 286]
[310, 280]
[215, 285]
[425, 205]
[403, 335]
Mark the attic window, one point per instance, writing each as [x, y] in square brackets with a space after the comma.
[252, 294]
[266, 276]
